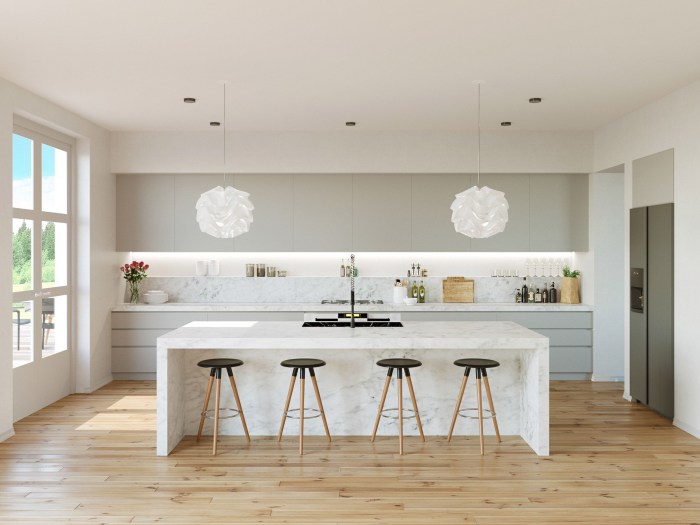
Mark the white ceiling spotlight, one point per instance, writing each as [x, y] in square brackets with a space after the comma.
[224, 213]
[479, 212]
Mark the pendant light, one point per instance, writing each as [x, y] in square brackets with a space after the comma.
[479, 212]
[224, 213]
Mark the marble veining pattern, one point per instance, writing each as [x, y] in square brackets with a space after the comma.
[351, 383]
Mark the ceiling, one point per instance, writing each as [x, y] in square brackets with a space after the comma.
[315, 64]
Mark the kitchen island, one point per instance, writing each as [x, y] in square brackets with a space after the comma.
[351, 383]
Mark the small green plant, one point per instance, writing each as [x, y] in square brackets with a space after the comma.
[568, 272]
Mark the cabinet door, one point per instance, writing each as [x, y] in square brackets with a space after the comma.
[188, 236]
[272, 228]
[322, 213]
[559, 212]
[516, 236]
[381, 213]
[145, 213]
[431, 222]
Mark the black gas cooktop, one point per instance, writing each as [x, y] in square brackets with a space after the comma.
[346, 324]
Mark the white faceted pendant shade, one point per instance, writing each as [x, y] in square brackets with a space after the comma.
[480, 213]
[224, 213]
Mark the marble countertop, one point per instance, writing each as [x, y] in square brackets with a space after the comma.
[387, 307]
[413, 335]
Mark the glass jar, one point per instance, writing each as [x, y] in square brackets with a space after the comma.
[250, 270]
[260, 270]
[271, 271]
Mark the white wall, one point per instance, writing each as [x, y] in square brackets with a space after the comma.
[671, 122]
[352, 151]
[95, 259]
[652, 179]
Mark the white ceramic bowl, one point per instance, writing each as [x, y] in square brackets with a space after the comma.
[155, 297]
[410, 301]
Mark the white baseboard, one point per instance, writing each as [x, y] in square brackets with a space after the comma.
[693, 431]
[613, 379]
[7, 434]
[626, 396]
[95, 386]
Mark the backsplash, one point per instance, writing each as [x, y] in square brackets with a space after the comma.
[315, 289]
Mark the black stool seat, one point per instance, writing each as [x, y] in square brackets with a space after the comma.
[303, 363]
[477, 363]
[399, 362]
[220, 363]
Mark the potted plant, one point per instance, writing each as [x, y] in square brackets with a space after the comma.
[570, 286]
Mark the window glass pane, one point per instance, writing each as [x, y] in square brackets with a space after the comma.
[22, 333]
[54, 179]
[21, 255]
[54, 316]
[22, 170]
[54, 254]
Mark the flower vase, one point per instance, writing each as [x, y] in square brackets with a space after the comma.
[134, 292]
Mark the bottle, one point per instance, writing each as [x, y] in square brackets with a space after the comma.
[414, 290]
[342, 267]
[348, 270]
[525, 295]
[421, 293]
[531, 295]
[518, 296]
[413, 270]
[552, 294]
[538, 296]
[545, 294]
[355, 271]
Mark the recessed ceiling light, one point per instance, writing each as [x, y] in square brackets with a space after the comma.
[350, 124]
[505, 124]
[535, 100]
[189, 100]
[215, 124]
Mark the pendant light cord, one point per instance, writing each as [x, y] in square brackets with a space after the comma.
[478, 135]
[224, 134]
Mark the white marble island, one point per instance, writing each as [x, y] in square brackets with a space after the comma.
[351, 383]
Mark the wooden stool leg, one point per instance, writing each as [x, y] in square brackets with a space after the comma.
[286, 405]
[238, 401]
[206, 405]
[216, 409]
[400, 388]
[320, 404]
[301, 412]
[493, 410]
[481, 415]
[415, 404]
[381, 403]
[459, 402]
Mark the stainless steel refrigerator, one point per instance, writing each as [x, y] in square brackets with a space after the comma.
[651, 307]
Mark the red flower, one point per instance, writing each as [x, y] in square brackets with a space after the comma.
[141, 264]
[122, 268]
[145, 267]
[133, 264]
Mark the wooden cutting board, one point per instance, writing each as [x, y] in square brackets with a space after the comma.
[457, 290]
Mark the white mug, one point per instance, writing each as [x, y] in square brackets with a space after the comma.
[200, 268]
[213, 267]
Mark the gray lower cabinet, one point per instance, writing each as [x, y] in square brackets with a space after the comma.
[570, 335]
[134, 335]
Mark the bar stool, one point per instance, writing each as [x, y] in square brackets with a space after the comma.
[480, 365]
[303, 364]
[216, 365]
[401, 365]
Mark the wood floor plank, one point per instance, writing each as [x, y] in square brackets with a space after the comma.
[91, 459]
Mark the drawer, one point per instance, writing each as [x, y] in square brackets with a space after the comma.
[570, 359]
[136, 337]
[567, 337]
[170, 320]
[255, 316]
[449, 316]
[549, 319]
[134, 360]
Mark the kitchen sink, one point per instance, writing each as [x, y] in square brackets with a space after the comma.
[346, 324]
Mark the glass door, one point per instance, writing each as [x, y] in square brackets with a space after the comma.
[41, 248]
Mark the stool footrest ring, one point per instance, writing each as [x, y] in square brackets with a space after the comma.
[489, 415]
[209, 414]
[315, 413]
[408, 413]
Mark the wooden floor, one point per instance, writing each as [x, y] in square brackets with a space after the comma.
[91, 459]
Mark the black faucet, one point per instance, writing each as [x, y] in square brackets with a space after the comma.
[352, 290]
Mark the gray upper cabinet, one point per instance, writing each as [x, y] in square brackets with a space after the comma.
[559, 212]
[431, 221]
[188, 236]
[516, 236]
[322, 213]
[145, 213]
[381, 213]
[272, 229]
